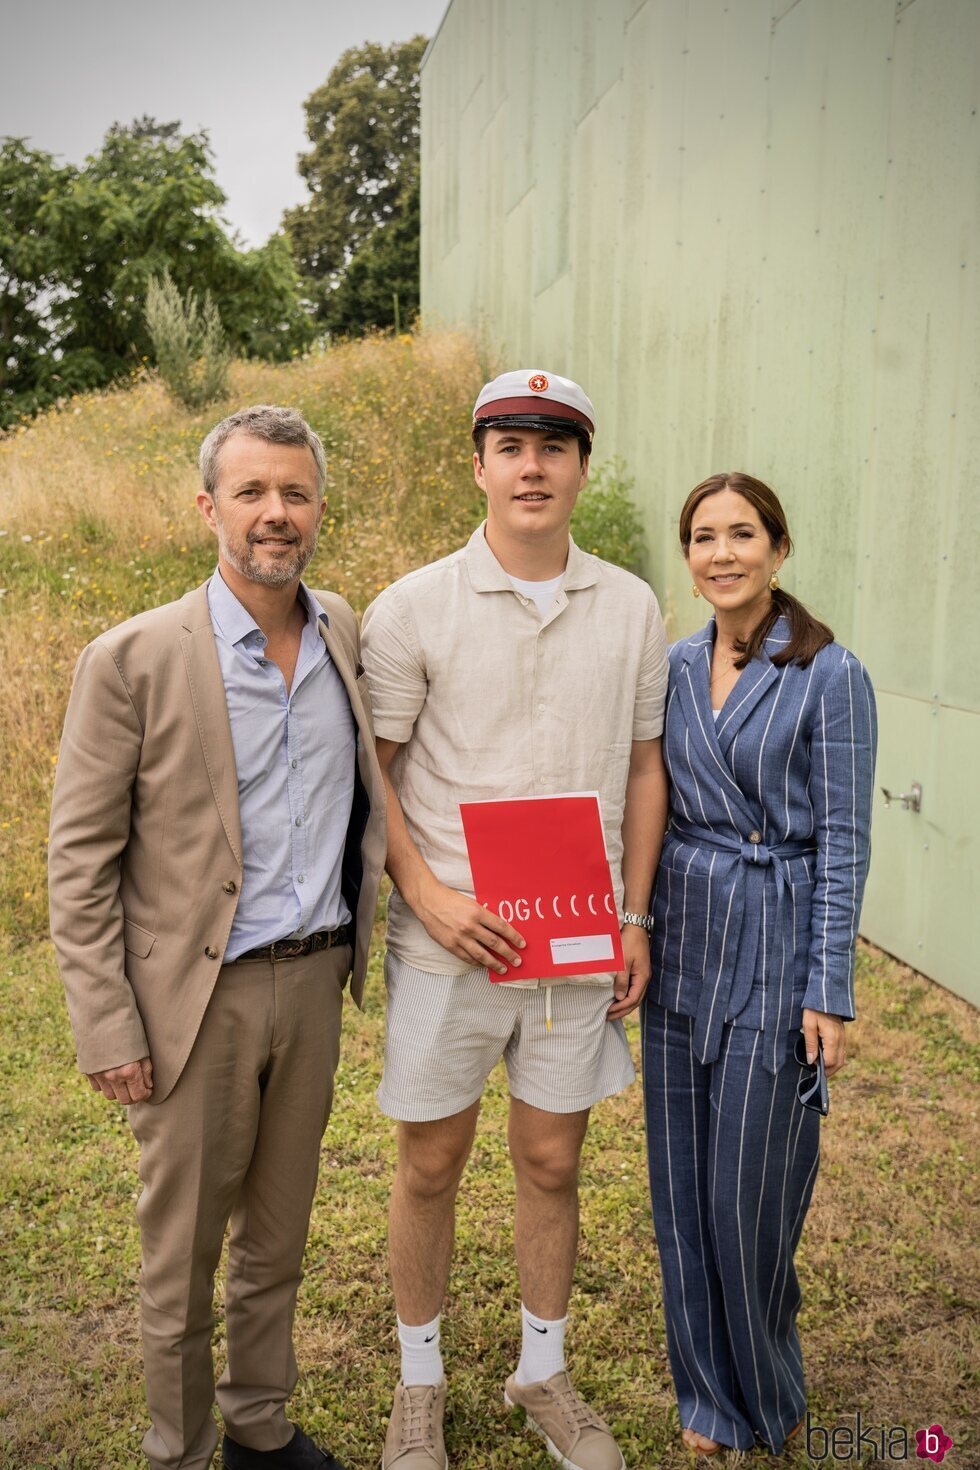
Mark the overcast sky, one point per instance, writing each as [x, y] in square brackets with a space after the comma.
[242, 69]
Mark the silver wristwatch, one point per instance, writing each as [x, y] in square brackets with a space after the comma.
[643, 921]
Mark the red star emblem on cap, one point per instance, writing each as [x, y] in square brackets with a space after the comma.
[538, 384]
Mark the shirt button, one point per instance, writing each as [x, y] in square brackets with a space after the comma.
[211, 952]
[294, 764]
[263, 663]
[301, 878]
[300, 929]
[755, 836]
[299, 821]
[231, 886]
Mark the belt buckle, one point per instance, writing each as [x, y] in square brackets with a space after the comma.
[285, 949]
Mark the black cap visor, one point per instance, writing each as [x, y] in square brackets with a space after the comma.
[547, 423]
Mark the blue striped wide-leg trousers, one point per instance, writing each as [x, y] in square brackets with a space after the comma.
[733, 1157]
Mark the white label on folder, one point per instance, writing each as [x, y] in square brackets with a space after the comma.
[581, 947]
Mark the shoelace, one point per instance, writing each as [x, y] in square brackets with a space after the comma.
[416, 1418]
[575, 1410]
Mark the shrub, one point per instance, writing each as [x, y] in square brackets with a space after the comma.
[606, 521]
[188, 342]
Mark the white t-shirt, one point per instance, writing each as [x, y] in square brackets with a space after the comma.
[542, 594]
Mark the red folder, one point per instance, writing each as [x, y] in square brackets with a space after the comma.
[541, 864]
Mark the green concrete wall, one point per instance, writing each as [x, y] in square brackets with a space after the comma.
[750, 230]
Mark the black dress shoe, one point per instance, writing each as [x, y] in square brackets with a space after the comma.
[299, 1454]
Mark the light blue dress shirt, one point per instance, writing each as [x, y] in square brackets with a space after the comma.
[294, 754]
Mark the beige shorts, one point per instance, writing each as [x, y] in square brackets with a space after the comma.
[446, 1033]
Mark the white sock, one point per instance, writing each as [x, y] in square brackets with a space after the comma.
[542, 1348]
[421, 1358]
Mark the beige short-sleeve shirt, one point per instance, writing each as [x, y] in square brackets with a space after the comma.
[489, 700]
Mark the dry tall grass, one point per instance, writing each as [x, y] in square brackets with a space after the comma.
[97, 520]
[118, 467]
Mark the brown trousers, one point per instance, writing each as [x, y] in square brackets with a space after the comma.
[238, 1139]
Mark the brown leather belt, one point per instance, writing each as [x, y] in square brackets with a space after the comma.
[292, 949]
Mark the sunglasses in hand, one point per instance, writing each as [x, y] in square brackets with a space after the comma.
[812, 1087]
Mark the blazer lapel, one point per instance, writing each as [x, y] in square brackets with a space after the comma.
[350, 673]
[211, 712]
[693, 688]
[753, 686]
[347, 672]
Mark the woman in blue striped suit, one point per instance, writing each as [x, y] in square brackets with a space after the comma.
[769, 742]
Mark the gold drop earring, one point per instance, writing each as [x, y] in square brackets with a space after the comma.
[773, 582]
[695, 591]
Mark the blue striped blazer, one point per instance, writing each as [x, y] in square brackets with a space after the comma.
[758, 892]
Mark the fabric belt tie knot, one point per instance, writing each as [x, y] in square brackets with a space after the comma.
[748, 884]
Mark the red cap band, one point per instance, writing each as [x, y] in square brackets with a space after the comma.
[538, 405]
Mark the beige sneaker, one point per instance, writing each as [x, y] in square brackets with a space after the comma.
[576, 1437]
[414, 1439]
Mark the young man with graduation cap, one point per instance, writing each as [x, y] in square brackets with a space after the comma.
[518, 666]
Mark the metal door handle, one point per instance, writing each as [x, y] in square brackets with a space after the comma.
[911, 800]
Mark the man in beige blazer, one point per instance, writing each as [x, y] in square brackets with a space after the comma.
[217, 839]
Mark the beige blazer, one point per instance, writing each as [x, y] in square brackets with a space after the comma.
[145, 854]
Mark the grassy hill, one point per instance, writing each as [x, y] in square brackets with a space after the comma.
[97, 521]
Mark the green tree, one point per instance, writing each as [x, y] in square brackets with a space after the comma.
[31, 281]
[356, 242]
[78, 248]
[385, 268]
[148, 203]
